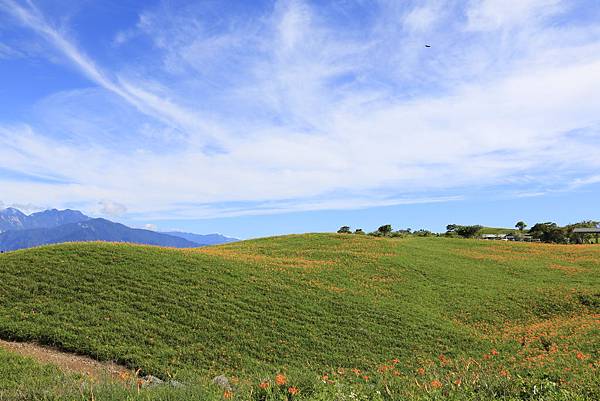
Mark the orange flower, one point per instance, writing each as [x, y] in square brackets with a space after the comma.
[395, 361]
[443, 359]
[356, 371]
[396, 373]
[504, 373]
[264, 385]
[293, 390]
[366, 378]
[325, 378]
[227, 394]
[421, 371]
[458, 381]
[280, 379]
[486, 356]
[384, 368]
[436, 384]
[580, 355]
[494, 352]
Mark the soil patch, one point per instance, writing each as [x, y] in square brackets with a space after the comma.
[68, 362]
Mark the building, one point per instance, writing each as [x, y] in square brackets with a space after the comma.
[498, 237]
[583, 231]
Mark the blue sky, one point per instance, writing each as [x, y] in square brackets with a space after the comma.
[254, 118]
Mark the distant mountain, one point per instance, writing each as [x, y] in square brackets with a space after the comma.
[55, 218]
[88, 230]
[208, 239]
[14, 219]
[18, 231]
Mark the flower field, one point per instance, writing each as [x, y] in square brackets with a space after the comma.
[309, 317]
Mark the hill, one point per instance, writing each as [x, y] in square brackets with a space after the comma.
[417, 317]
[89, 230]
[496, 230]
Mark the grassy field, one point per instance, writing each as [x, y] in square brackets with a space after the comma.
[341, 316]
[495, 230]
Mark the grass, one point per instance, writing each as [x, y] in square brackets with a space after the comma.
[410, 314]
[495, 230]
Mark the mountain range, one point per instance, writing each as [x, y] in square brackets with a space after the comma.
[14, 219]
[206, 239]
[18, 231]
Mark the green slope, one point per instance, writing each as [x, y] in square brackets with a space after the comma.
[311, 303]
[496, 230]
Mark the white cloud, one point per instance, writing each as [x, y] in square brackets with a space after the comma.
[110, 208]
[288, 113]
[149, 103]
[7, 52]
[27, 208]
[151, 227]
[494, 14]
[423, 17]
[583, 181]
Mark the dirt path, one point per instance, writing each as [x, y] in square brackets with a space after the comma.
[68, 362]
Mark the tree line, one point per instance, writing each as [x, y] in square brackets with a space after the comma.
[386, 231]
[548, 232]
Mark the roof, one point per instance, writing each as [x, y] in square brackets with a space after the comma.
[587, 230]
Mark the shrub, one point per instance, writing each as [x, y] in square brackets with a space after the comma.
[344, 230]
[468, 231]
[548, 232]
[385, 230]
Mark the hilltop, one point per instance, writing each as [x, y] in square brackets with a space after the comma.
[312, 304]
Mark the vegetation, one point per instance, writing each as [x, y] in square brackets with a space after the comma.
[548, 232]
[496, 230]
[385, 230]
[463, 231]
[338, 316]
[578, 238]
[521, 225]
[344, 230]
[552, 233]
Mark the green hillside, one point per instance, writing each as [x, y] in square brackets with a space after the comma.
[497, 230]
[410, 314]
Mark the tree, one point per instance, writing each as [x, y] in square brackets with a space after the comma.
[581, 238]
[359, 231]
[468, 231]
[385, 230]
[344, 230]
[548, 232]
[451, 228]
[521, 225]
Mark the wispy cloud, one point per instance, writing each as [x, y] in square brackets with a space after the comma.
[510, 14]
[151, 104]
[303, 107]
[7, 52]
[110, 208]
